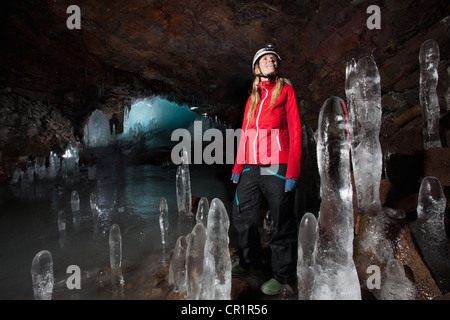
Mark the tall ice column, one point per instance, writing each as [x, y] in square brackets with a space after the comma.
[335, 271]
[429, 63]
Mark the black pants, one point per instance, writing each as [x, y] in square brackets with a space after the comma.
[256, 183]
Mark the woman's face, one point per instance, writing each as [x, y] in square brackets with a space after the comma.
[268, 65]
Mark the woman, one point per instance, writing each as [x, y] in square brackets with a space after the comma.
[268, 166]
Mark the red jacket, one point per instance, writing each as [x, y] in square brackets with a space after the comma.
[274, 136]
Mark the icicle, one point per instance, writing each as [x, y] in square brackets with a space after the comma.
[363, 92]
[396, 286]
[335, 274]
[429, 230]
[115, 248]
[75, 201]
[307, 248]
[42, 275]
[186, 178]
[217, 260]
[54, 165]
[202, 211]
[61, 220]
[164, 220]
[194, 261]
[429, 62]
[177, 270]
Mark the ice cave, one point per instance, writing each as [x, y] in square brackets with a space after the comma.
[120, 122]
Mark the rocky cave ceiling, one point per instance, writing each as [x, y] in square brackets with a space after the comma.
[199, 52]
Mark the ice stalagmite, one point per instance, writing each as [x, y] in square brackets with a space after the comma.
[115, 259]
[429, 63]
[217, 259]
[194, 262]
[42, 275]
[54, 165]
[61, 221]
[177, 269]
[30, 174]
[75, 201]
[62, 227]
[183, 186]
[69, 163]
[39, 168]
[335, 271]
[363, 91]
[97, 132]
[75, 205]
[429, 231]
[202, 211]
[307, 247]
[179, 191]
[164, 220]
[93, 204]
[115, 248]
[396, 286]
[186, 177]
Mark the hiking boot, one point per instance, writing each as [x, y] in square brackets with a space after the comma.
[238, 270]
[271, 287]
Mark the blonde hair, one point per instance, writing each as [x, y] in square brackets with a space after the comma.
[255, 96]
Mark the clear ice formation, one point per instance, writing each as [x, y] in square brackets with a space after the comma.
[183, 186]
[62, 227]
[154, 113]
[93, 205]
[30, 174]
[40, 170]
[335, 271]
[179, 191]
[429, 63]
[396, 286]
[363, 91]
[75, 201]
[42, 275]
[202, 211]
[61, 220]
[97, 132]
[54, 166]
[194, 262]
[164, 220]
[217, 259]
[307, 247]
[69, 163]
[429, 231]
[115, 248]
[177, 269]
[17, 176]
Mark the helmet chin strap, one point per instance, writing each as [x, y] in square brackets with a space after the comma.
[269, 76]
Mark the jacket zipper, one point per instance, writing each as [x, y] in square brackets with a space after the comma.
[257, 120]
[278, 141]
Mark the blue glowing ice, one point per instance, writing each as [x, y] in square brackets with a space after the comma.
[154, 118]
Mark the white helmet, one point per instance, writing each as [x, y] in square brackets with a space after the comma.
[269, 49]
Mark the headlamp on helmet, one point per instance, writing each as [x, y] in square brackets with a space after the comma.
[269, 49]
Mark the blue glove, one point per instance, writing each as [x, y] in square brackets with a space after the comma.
[290, 185]
[235, 177]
